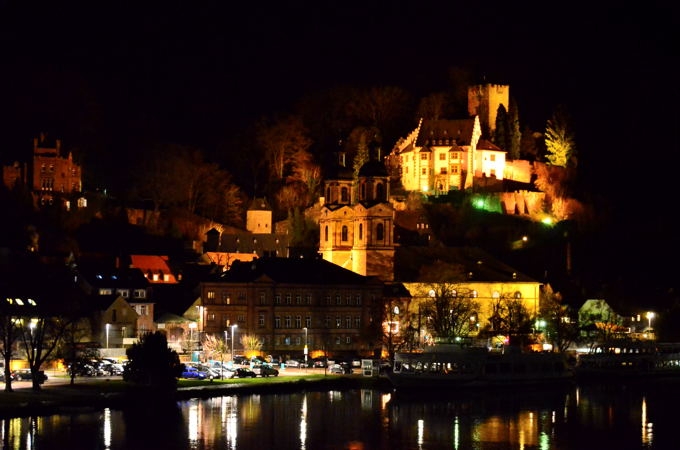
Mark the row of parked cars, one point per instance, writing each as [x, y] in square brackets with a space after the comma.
[98, 368]
[24, 375]
[217, 370]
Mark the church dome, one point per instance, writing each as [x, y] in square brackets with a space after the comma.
[373, 169]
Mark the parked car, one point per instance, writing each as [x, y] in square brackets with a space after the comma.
[211, 372]
[194, 373]
[244, 373]
[341, 368]
[89, 368]
[265, 370]
[2, 376]
[26, 375]
[292, 363]
[112, 366]
[319, 363]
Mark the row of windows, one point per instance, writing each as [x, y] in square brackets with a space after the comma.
[297, 322]
[297, 340]
[283, 299]
[329, 322]
[125, 293]
[442, 156]
[474, 294]
[344, 232]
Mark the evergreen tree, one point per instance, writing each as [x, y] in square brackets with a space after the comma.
[559, 139]
[514, 131]
[501, 133]
[152, 363]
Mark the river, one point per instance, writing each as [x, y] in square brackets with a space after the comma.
[576, 417]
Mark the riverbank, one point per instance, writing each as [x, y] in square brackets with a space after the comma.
[91, 395]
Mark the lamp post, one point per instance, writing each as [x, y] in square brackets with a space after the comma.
[232, 340]
[650, 316]
[306, 348]
[192, 327]
[108, 327]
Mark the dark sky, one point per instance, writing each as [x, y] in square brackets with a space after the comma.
[196, 70]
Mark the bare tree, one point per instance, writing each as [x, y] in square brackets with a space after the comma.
[449, 309]
[561, 330]
[285, 144]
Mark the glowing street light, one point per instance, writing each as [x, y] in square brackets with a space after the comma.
[192, 327]
[306, 348]
[232, 340]
[108, 327]
[650, 316]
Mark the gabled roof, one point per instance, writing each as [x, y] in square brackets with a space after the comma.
[294, 271]
[445, 132]
[475, 264]
[396, 290]
[259, 204]
[155, 265]
[257, 243]
[483, 144]
[130, 278]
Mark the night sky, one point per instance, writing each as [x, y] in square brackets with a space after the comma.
[116, 72]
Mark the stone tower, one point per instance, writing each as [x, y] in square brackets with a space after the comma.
[357, 233]
[259, 217]
[484, 100]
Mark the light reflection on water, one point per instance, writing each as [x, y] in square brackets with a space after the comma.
[573, 418]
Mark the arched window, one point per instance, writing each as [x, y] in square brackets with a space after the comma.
[380, 232]
[380, 192]
[363, 191]
[344, 233]
[361, 231]
[325, 233]
[344, 195]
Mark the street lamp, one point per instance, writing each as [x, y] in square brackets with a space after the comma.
[108, 327]
[232, 341]
[192, 327]
[650, 316]
[306, 348]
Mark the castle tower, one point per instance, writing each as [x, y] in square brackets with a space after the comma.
[259, 217]
[484, 100]
[358, 234]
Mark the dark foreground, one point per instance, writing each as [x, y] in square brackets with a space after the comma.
[84, 396]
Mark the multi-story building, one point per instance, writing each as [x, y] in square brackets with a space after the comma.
[444, 155]
[356, 221]
[289, 303]
[48, 174]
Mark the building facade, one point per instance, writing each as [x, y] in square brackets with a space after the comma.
[48, 174]
[356, 221]
[444, 155]
[287, 304]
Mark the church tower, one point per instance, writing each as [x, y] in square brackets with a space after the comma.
[484, 100]
[357, 233]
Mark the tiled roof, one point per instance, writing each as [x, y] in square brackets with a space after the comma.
[259, 204]
[445, 132]
[484, 144]
[155, 265]
[131, 278]
[259, 243]
[293, 270]
[475, 264]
